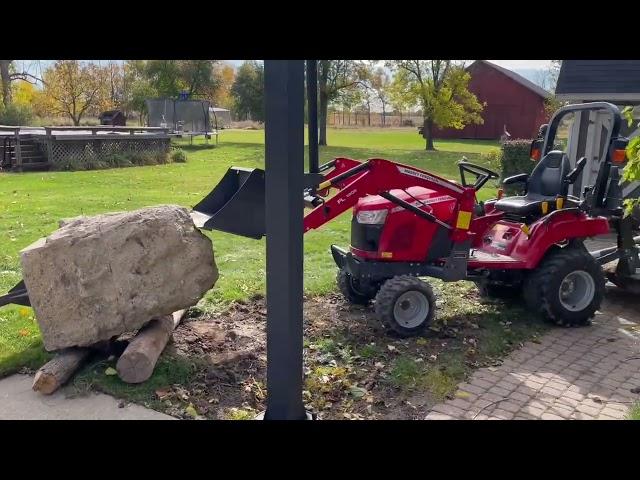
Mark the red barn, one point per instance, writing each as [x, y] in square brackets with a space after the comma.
[512, 103]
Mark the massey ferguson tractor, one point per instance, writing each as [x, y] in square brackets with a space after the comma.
[409, 224]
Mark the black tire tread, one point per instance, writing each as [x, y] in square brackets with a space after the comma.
[387, 295]
[538, 283]
[343, 279]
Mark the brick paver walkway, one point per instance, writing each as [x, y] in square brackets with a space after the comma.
[573, 373]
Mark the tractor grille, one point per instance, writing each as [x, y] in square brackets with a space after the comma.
[365, 237]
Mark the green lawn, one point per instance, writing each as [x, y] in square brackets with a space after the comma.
[382, 139]
[33, 203]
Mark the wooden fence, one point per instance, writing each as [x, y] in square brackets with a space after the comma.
[373, 119]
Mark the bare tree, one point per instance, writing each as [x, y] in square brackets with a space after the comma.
[334, 78]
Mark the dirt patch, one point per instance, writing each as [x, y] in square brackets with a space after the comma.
[353, 368]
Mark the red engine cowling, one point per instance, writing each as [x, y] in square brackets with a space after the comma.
[382, 230]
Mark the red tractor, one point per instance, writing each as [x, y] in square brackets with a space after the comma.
[408, 223]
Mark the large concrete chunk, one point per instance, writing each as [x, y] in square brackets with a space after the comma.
[97, 277]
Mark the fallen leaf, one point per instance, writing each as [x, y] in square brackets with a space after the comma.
[162, 393]
[462, 394]
[391, 348]
[422, 341]
[191, 411]
[358, 392]
[110, 371]
[23, 332]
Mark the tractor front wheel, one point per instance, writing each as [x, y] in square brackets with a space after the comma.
[567, 287]
[406, 305]
[355, 291]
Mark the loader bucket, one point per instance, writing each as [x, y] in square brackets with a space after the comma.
[18, 295]
[235, 205]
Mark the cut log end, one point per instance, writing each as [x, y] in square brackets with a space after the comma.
[137, 362]
[57, 371]
[135, 367]
[45, 383]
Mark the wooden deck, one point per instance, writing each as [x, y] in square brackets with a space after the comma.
[29, 148]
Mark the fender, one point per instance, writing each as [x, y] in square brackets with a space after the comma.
[545, 233]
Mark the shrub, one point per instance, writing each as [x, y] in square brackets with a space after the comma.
[492, 160]
[93, 163]
[16, 115]
[178, 156]
[69, 164]
[631, 172]
[141, 158]
[514, 159]
[119, 160]
[162, 157]
[115, 160]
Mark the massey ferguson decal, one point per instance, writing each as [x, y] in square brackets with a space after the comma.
[425, 176]
[428, 201]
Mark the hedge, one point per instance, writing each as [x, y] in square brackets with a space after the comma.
[116, 160]
[515, 158]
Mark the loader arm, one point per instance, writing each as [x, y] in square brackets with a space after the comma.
[379, 177]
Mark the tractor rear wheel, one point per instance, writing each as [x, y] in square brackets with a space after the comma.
[354, 291]
[567, 287]
[406, 305]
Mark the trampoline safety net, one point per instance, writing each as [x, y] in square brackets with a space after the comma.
[179, 115]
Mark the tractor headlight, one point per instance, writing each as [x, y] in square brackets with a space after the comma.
[371, 217]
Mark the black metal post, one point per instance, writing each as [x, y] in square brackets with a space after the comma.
[312, 110]
[284, 171]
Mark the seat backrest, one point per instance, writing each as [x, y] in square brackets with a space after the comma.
[547, 177]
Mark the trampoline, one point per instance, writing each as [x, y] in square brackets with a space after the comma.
[182, 117]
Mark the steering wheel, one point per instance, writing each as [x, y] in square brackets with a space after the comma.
[482, 174]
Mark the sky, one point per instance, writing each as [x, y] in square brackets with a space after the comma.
[523, 64]
[530, 69]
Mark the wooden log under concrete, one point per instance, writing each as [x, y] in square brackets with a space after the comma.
[55, 373]
[137, 362]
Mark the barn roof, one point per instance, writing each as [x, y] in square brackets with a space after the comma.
[518, 78]
[599, 80]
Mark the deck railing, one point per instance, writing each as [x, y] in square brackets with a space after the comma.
[106, 128]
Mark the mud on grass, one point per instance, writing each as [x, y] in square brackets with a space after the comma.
[215, 367]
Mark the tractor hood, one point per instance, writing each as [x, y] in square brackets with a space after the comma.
[421, 197]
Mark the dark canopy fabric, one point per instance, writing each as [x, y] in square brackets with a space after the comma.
[185, 115]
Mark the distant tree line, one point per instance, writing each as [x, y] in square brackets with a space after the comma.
[76, 89]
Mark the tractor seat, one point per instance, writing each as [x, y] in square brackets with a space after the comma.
[544, 184]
